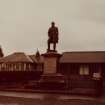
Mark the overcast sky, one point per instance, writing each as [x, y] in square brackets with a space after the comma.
[24, 24]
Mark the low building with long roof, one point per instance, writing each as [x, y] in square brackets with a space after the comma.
[18, 66]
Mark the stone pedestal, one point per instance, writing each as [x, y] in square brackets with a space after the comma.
[50, 78]
[51, 62]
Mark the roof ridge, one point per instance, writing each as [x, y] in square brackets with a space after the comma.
[84, 52]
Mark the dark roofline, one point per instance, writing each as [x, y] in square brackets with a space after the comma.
[84, 52]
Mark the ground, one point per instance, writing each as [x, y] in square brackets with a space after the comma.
[46, 99]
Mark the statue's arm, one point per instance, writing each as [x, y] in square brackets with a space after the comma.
[57, 31]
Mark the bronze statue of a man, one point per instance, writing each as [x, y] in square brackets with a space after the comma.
[53, 36]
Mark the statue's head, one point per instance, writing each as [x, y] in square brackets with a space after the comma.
[53, 24]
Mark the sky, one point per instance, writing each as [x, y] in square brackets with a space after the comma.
[24, 25]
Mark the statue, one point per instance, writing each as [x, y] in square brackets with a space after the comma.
[53, 36]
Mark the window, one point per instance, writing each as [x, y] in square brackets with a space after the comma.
[20, 67]
[24, 66]
[97, 75]
[3, 66]
[84, 70]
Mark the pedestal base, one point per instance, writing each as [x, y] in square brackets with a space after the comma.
[52, 81]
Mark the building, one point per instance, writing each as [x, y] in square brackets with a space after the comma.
[81, 69]
[18, 67]
[90, 64]
[38, 61]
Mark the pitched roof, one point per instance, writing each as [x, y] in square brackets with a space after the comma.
[83, 57]
[34, 59]
[17, 57]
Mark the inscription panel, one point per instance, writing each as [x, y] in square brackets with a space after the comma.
[50, 65]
